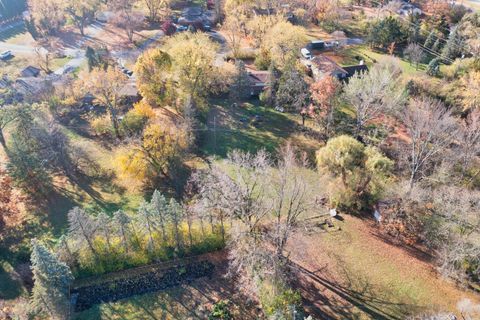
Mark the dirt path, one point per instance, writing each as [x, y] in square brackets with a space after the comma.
[354, 274]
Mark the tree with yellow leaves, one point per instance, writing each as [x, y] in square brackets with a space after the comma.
[48, 15]
[284, 42]
[105, 85]
[159, 149]
[193, 64]
[471, 90]
[153, 72]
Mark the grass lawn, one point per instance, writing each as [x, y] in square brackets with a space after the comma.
[251, 127]
[348, 57]
[354, 274]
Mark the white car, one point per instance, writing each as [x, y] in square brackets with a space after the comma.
[306, 54]
[5, 54]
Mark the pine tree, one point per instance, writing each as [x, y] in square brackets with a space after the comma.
[122, 222]
[454, 45]
[52, 280]
[147, 222]
[103, 225]
[240, 88]
[82, 227]
[433, 67]
[176, 216]
[430, 40]
[159, 206]
[437, 46]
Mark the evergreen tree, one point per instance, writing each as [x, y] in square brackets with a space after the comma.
[437, 46]
[52, 280]
[176, 216]
[430, 40]
[454, 47]
[240, 88]
[104, 226]
[159, 206]
[82, 228]
[122, 222]
[414, 28]
[433, 67]
[92, 58]
[147, 222]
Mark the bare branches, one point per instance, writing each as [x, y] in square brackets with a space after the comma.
[431, 129]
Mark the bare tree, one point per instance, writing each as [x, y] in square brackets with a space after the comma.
[469, 139]
[431, 129]
[82, 228]
[415, 54]
[127, 18]
[375, 92]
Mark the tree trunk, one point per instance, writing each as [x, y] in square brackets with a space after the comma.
[2, 141]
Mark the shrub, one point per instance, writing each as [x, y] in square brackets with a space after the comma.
[262, 60]
[220, 311]
[102, 125]
[132, 123]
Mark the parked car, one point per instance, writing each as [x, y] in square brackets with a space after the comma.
[182, 28]
[306, 54]
[68, 69]
[6, 55]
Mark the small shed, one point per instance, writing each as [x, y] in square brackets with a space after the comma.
[258, 81]
[30, 72]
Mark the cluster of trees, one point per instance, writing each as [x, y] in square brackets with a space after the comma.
[265, 202]
[49, 16]
[160, 230]
[36, 148]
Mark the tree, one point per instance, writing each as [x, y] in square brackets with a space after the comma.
[284, 41]
[82, 228]
[324, 93]
[193, 64]
[43, 59]
[157, 153]
[431, 129]
[176, 213]
[153, 73]
[127, 18]
[8, 114]
[455, 46]
[104, 225]
[159, 208]
[433, 68]
[375, 92]
[471, 90]
[385, 32]
[105, 85]
[81, 12]
[240, 88]
[293, 94]
[414, 53]
[233, 26]
[122, 221]
[48, 15]
[469, 139]
[52, 281]
[362, 171]
[154, 7]
[147, 221]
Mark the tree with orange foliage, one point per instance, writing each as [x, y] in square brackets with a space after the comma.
[324, 93]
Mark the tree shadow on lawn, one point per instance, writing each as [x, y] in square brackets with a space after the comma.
[237, 128]
[12, 32]
[329, 300]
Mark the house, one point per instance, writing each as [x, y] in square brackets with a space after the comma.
[30, 72]
[322, 66]
[351, 70]
[258, 81]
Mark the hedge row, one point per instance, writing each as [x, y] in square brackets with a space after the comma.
[87, 296]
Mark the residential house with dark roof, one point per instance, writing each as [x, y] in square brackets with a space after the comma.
[30, 72]
[258, 81]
